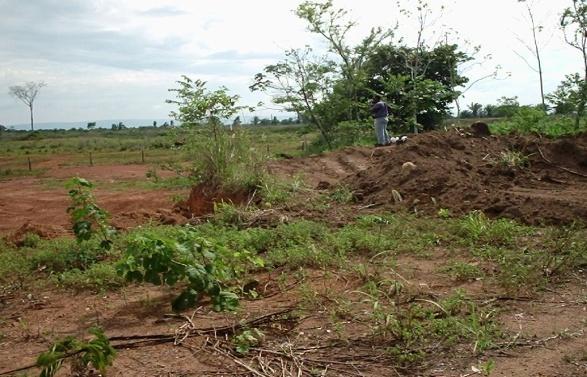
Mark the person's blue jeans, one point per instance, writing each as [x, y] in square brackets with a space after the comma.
[381, 131]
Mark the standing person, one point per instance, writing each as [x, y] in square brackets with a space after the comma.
[380, 113]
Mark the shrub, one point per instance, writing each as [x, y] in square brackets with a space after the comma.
[532, 120]
[186, 258]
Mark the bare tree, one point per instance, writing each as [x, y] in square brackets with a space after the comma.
[474, 68]
[27, 93]
[534, 49]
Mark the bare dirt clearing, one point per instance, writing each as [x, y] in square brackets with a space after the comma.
[30, 201]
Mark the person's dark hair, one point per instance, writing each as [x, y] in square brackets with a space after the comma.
[376, 98]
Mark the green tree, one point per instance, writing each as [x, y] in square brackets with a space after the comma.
[567, 98]
[221, 160]
[507, 106]
[490, 111]
[574, 25]
[300, 82]
[91, 125]
[333, 25]
[475, 109]
[466, 114]
[197, 105]
[430, 96]
[256, 120]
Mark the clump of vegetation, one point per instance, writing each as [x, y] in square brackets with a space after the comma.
[513, 159]
[342, 194]
[98, 277]
[87, 218]
[477, 228]
[186, 258]
[31, 240]
[461, 271]
[454, 319]
[246, 339]
[223, 159]
[534, 120]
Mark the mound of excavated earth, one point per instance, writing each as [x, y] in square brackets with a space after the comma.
[533, 179]
[529, 178]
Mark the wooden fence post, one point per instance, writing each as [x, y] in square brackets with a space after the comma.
[142, 155]
[30, 164]
[91, 160]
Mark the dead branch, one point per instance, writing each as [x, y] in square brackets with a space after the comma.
[137, 341]
[559, 167]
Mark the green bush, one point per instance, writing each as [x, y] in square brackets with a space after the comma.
[532, 120]
[205, 267]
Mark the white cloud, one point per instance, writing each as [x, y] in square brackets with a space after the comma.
[107, 58]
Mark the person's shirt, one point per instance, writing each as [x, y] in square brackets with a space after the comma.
[379, 110]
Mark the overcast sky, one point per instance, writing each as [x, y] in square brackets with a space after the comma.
[109, 59]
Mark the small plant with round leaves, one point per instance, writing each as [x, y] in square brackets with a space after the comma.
[87, 218]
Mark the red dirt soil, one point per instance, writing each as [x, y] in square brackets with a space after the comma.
[201, 200]
[463, 173]
[459, 172]
[28, 201]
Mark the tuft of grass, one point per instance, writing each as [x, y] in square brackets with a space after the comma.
[31, 240]
[461, 271]
[14, 266]
[98, 277]
[342, 194]
[477, 228]
[513, 159]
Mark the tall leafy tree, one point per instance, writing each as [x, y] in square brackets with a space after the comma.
[333, 24]
[300, 82]
[475, 109]
[424, 99]
[567, 98]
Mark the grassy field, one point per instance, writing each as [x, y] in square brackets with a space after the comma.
[156, 145]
